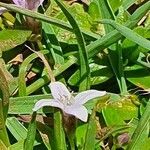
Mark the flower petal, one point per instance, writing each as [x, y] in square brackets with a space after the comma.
[2, 10]
[85, 96]
[47, 102]
[79, 112]
[59, 91]
[33, 4]
[20, 3]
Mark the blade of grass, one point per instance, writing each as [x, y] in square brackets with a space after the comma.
[144, 121]
[52, 44]
[96, 46]
[45, 79]
[91, 133]
[44, 18]
[128, 33]
[114, 51]
[4, 104]
[83, 56]
[59, 134]
[29, 141]
[22, 73]
[100, 44]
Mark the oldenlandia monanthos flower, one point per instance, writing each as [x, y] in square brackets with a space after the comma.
[69, 104]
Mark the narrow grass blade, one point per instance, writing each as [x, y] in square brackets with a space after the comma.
[114, 52]
[16, 128]
[59, 134]
[22, 73]
[52, 44]
[4, 103]
[128, 33]
[44, 80]
[44, 18]
[83, 56]
[29, 141]
[90, 140]
[100, 44]
[144, 121]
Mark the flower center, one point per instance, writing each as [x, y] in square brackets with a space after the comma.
[66, 100]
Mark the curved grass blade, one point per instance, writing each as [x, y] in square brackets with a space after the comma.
[144, 121]
[45, 79]
[4, 103]
[128, 33]
[100, 44]
[83, 56]
[22, 73]
[95, 47]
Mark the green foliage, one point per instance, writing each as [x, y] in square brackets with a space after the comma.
[99, 44]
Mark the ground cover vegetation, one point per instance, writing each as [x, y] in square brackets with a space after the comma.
[74, 74]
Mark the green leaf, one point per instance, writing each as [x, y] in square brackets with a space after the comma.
[128, 33]
[17, 146]
[23, 70]
[24, 105]
[44, 18]
[112, 37]
[29, 141]
[141, 132]
[83, 56]
[139, 76]
[90, 140]
[59, 135]
[118, 107]
[52, 44]
[16, 128]
[99, 74]
[12, 38]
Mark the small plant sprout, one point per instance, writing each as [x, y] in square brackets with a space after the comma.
[29, 4]
[69, 104]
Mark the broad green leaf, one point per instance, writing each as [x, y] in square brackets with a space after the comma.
[99, 74]
[139, 76]
[115, 4]
[122, 108]
[12, 38]
[80, 135]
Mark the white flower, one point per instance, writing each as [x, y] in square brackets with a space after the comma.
[69, 104]
[2, 10]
